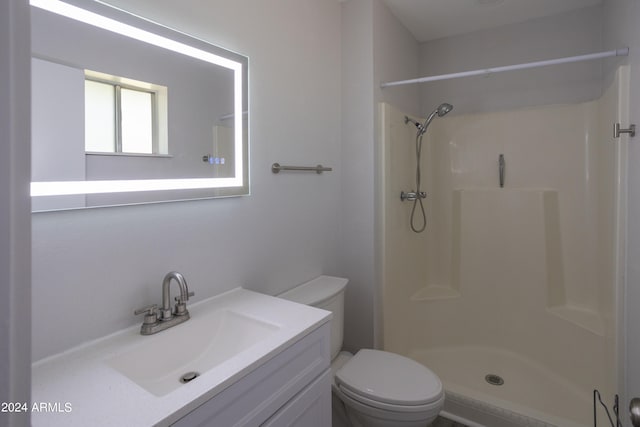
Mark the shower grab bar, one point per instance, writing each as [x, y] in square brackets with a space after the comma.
[501, 169]
[598, 55]
[277, 167]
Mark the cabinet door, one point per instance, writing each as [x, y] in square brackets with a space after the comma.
[253, 399]
[310, 408]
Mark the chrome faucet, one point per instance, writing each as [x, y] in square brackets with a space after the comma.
[155, 322]
[166, 313]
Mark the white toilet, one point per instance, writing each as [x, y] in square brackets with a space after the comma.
[377, 388]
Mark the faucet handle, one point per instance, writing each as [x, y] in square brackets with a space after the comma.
[180, 300]
[150, 313]
[150, 308]
[181, 304]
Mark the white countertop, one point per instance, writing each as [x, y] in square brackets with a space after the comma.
[79, 388]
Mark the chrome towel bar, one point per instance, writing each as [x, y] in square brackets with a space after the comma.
[277, 167]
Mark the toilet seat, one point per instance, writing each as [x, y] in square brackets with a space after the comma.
[389, 382]
[407, 409]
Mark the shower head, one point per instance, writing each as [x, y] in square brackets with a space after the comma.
[442, 110]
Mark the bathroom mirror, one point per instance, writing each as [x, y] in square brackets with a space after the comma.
[126, 111]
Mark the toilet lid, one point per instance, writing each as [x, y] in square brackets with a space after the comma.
[389, 378]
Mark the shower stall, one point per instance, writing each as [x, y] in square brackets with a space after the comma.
[511, 293]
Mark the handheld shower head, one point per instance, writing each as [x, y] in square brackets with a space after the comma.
[443, 109]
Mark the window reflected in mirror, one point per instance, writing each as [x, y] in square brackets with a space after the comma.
[124, 117]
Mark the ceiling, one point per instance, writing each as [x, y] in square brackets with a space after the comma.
[434, 19]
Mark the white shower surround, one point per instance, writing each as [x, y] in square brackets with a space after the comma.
[522, 281]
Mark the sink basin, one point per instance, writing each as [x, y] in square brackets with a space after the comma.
[161, 361]
[134, 380]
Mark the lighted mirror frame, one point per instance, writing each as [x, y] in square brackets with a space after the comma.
[61, 188]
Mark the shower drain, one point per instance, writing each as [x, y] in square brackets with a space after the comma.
[494, 379]
[189, 376]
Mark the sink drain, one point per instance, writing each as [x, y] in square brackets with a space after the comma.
[494, 379]
[189, 376]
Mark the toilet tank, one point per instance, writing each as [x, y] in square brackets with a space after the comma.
[327, 293]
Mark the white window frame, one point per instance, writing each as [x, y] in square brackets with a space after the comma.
[158, 112]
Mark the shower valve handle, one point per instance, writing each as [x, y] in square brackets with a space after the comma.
[412, 195]
[634, 411]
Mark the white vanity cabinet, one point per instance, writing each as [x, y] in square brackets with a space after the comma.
[293, 388]
[261, 360]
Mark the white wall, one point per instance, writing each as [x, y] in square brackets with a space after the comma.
[567, 34]
[375, 48]
[102, 264]
[396, 57]
[15, 315]
[621, 28]
[357, 234]
[92, 268]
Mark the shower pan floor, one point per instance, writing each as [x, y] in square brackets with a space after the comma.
[529, 396]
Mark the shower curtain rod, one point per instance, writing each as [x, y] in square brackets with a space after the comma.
[487, 71]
